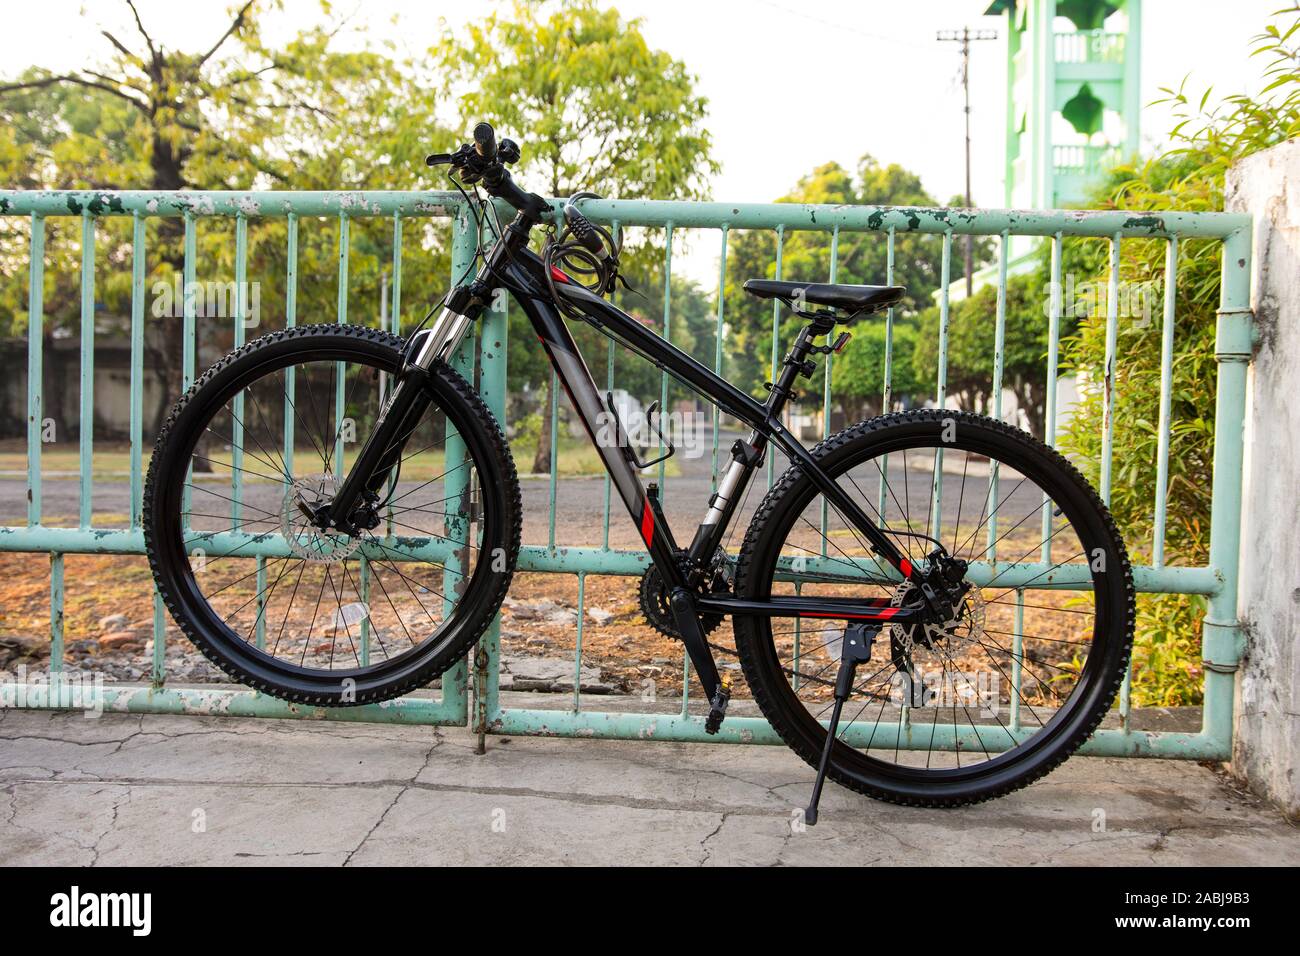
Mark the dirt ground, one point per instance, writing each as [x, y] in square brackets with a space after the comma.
[109, 619]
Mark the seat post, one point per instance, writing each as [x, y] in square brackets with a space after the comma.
[796, 362]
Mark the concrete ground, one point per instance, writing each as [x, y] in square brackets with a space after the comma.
[128, 789]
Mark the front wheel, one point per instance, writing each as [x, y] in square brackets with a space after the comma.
[262, 441]
[1020, 671]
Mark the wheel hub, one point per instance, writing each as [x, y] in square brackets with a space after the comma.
[307, 498]
[957, 629]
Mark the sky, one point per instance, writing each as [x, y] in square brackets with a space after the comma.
[792, 84]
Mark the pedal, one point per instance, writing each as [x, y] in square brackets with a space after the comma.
[855, 649]
[718, 706]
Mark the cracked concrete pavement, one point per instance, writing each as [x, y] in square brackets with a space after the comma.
[149, 790]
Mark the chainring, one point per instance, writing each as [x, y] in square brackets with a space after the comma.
[659, 613]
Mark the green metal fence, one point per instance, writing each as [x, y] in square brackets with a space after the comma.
[1217, 581]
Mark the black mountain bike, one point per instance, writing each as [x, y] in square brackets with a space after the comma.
[930, 607]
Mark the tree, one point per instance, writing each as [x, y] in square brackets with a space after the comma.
[858, 372]
[594, 108]
[1190, 177]
[233, 115]
[972, 334]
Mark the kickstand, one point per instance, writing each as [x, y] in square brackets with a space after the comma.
[855, 649]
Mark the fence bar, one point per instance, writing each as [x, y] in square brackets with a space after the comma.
[826, 395]
[1049, 405]
[609, 725]
[717, 348]
[1108, 381]
[999, 360]
[159, 670]
[189, 330]
[465, 239]
[887, 395]
[1017, 653]
[137, 366]
[340, 368]
[127, 699]
[363, 595]
[1000, 327]
[35, 368]
[1223, 641]
[776, 337]
[86, 423]
[663, 376]
[237, 404]
[650, 213]
[396, 306]
[492, 386]
[1166, 392]
[290, 320]
[56, 612]
[259, 622]
[941, 386]
[609, 387]
[577, 646]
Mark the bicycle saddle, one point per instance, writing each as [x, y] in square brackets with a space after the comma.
[855, 299]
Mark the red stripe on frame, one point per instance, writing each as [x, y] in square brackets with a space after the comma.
[884, 614]
[557, 275]
[647, 524]
[906, 567]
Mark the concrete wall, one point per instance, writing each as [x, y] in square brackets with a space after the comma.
[1267, 185]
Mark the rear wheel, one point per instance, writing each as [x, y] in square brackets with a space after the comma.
[1020, 672]
[266, 437]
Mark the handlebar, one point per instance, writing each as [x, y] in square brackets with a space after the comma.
[485, 161]
[584, 248]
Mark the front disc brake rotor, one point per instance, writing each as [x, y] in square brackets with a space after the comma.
[306, 539]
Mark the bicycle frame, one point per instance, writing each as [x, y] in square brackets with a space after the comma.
[521, 272]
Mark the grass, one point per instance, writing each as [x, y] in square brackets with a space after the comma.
[578, 458]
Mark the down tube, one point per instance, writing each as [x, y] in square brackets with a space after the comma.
[572, 372]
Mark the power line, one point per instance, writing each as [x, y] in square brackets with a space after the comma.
[965, 36]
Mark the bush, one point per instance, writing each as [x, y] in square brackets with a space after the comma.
[1189, 177]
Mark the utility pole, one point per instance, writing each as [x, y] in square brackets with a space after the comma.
[965, 36]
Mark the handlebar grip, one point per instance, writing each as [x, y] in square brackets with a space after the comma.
[485, 141]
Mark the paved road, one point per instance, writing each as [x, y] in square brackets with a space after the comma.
[124, 790]
[579, 506]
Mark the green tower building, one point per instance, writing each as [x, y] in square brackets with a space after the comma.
[1073, 98]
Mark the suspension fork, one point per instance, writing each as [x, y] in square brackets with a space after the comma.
[398, 419]
[409, 399]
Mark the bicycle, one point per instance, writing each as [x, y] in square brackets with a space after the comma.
[843, 566]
